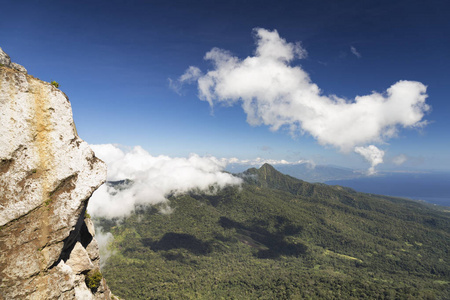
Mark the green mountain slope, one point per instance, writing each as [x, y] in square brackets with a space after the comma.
[277, 237]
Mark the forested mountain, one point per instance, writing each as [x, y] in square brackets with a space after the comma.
[277, 237]
[308, 172]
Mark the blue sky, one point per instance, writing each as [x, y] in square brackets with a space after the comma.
[114, 60]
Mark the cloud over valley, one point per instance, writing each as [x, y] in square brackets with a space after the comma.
[151, 179]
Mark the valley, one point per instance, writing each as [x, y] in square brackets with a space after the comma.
[277, 237]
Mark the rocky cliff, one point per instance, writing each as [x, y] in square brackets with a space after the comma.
[47, 174]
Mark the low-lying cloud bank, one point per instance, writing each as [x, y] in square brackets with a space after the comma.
[274, 93]
[260, 161]
[153, 178]
[236, 165]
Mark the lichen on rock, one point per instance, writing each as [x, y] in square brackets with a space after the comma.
[47, 175]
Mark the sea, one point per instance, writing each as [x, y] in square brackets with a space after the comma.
[431, 187]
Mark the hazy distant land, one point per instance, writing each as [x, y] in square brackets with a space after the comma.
[432, 187]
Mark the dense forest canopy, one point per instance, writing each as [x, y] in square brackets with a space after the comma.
[277, 237]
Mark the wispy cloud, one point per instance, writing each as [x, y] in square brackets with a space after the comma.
[104, 240]
[355, 52]
[153, 178]
[189, 76]
[399, 159]
[265, 148]
[275, 93]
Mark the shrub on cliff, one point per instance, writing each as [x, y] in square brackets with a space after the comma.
[93, 279]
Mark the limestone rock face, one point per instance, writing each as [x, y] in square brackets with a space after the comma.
[4, 58]
[79, 259]
[18, 67]
[47, 175]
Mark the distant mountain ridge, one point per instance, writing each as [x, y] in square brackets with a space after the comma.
[308, 172]
[318, 173]
[268, 176]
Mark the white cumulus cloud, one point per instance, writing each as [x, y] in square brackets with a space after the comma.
[372, 154]
[273, 92]
[153, 178]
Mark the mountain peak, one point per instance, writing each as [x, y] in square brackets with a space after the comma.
[268, 170]
[268, 176]
[266, 166]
